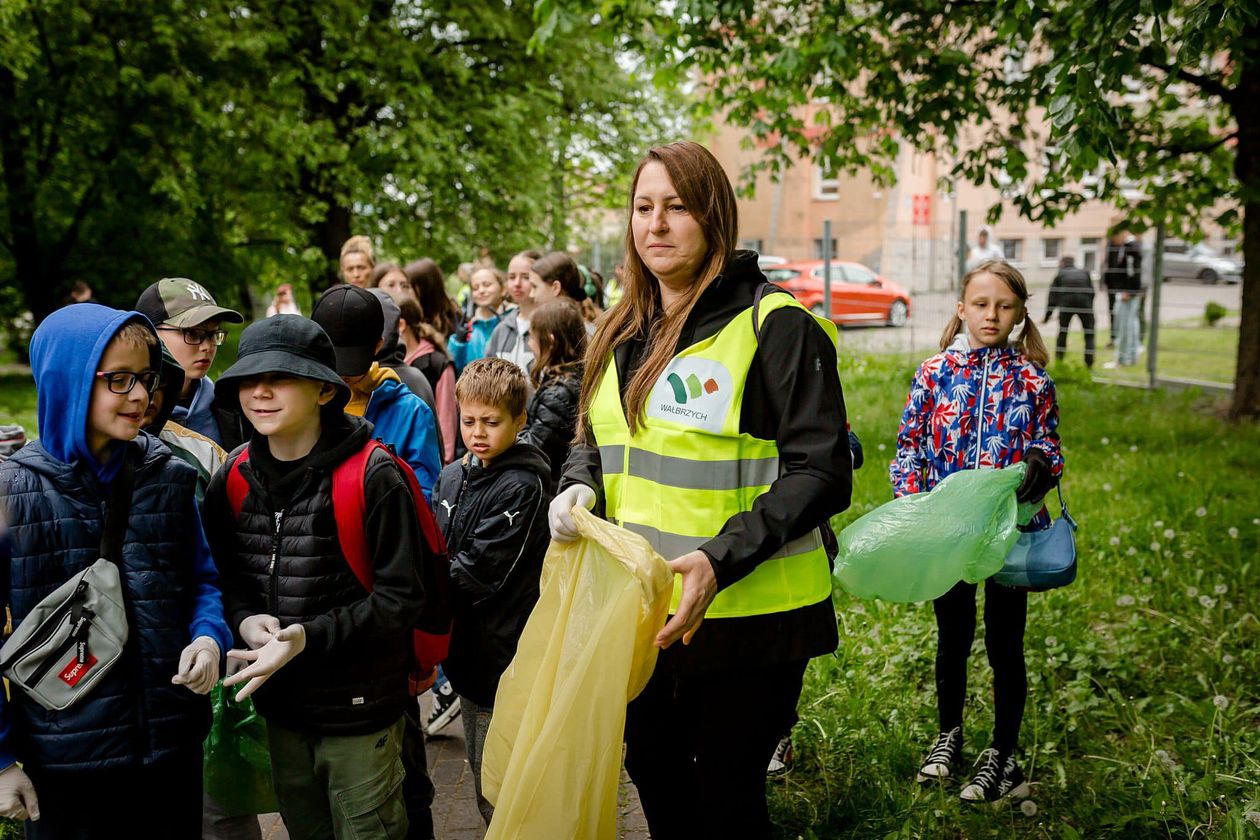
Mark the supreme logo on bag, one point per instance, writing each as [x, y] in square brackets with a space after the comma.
[75, 670]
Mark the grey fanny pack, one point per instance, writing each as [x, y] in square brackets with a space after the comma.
[72, 638]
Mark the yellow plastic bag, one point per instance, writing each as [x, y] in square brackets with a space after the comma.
[552, 757]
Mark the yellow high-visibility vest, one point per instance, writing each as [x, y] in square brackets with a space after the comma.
[689, 469]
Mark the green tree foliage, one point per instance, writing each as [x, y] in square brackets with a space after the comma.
[242, 143]
[1033, 96]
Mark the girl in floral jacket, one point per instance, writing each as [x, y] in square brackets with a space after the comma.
[984, 401]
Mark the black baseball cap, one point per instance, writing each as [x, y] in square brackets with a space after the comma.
[353, 319]
[180, 302]
[287, 344]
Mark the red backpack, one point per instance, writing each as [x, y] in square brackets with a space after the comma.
[431, 637]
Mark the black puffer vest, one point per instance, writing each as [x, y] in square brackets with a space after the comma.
[355, 688]
[55, 513]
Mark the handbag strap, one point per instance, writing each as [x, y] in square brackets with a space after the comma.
[119, 509]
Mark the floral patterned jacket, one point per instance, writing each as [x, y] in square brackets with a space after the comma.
[973, 409]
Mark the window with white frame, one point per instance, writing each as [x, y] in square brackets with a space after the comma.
[1013, 250]
[818, 249]
[826, 184]
[1051, 249]
[1089, 253]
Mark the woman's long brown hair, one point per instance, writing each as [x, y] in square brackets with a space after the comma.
[1030, 342]
[707, 194]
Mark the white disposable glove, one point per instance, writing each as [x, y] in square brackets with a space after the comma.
[17, 795]
[265, 661]
[199, 665]
[560, 514]
[257, 630]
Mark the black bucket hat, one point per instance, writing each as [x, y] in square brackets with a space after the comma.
[354, 320]
[287, 344]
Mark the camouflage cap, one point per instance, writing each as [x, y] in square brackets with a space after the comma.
[180, 302]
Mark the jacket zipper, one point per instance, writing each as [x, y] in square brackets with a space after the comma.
[984, 386]
[272, 599]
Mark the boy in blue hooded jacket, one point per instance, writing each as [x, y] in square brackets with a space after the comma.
[142, 725]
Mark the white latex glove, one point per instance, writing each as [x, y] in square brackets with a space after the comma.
[257, 630]
[265, 661]
[199, 665]
[560, 514]
[17, 795]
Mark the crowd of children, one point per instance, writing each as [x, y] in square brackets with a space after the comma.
[238, 557]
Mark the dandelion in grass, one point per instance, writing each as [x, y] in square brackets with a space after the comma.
[1227, 605]
[867, 650]
[1028, 808]
[1221, 702]
[1106, 441]
[1133, 448]
[1207, 602]
[1107, 487]
[1115, 541]
[1220, 589]
[1192, 592]
[1169, 533]
[1155, 547]
[1200, 512]
[1147, 579]
[1227, 659]
[1233, 533]
[1159, 523]
[1051, 641]
[1125, 601]
[1132, 551]
[1256, 521]
[882, 447]
[1144, 599]
[1180, 474]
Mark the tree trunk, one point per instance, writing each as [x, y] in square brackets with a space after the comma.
[1246, 402]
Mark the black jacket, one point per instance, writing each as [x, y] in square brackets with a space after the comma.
[793, 397]
[352, 676]
[552, 412]
[1071, 292]
[1123, 267]
[495, 523]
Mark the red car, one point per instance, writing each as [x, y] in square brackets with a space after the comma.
[858, 295]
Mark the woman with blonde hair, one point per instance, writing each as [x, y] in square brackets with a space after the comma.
[712, 423]
[357, 261]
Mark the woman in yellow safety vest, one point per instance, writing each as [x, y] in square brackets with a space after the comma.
[713, 425]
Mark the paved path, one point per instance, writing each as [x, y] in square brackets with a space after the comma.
[455, 815]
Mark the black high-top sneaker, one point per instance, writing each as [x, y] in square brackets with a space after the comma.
[945, 753]
[999, 779]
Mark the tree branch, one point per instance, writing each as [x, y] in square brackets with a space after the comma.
[1177, 150]
[1207, 84]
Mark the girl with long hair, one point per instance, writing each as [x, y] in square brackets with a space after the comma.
[510, 339]
[557, 339]
[469, 344]
[426, 351]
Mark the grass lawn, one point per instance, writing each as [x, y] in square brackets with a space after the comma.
[1143, 717]
[1188, 349]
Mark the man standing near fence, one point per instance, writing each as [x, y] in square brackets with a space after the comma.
[1072, 293]
[1123, 278]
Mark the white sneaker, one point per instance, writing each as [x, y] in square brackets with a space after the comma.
[445, 709]
[781, 761]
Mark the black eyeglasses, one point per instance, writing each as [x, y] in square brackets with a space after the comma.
[195, 336]
[122, 381]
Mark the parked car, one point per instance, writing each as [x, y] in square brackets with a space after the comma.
[765, 261]
[1199, 262]
[858, 294]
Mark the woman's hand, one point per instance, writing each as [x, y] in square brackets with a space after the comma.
[699, 588]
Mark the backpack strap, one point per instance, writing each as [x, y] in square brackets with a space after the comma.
[760, 293]
[237, 486]
[119, 506]
[349, 501]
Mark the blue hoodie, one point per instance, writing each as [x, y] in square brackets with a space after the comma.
[65, 352]
[403, 421]
[198, 414]
[471, 346]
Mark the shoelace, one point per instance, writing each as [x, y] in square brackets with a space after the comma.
[944, 749]
[987, 778]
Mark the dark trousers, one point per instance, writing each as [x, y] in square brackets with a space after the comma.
[697, 746]
[1111, 314]
[1087, 324]
[1005, 614]
[160, 800]
[417, 786]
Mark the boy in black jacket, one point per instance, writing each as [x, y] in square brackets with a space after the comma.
[492, 508]
[329, 659]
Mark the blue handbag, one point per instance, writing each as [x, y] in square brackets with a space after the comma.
[1044, 559]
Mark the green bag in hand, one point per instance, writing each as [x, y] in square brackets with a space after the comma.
[917, 547]
[237, 761]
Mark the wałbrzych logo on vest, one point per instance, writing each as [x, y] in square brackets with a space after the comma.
[694, 392]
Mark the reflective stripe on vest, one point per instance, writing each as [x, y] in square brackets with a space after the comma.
[689, 469]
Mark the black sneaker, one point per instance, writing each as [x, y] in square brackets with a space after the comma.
[445, 709]
[999, 779]
[781, 761]
[939, 763]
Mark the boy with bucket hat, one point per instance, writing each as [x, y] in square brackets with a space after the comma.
[328, 656]
[189, 323]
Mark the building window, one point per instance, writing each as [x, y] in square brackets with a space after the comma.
[826, 184]
[751, 245]
[1051, 250]
[818, 249]
[1089, 253]
[1013, 250]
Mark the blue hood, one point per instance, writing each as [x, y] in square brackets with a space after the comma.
[65, 351]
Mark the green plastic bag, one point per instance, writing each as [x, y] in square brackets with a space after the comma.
[918, 547]
[237, 761]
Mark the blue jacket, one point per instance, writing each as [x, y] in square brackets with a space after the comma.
[52, 494]
[198, 414]
[470, 344]
[403, 421]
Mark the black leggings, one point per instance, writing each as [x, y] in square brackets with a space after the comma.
[1005, 614]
